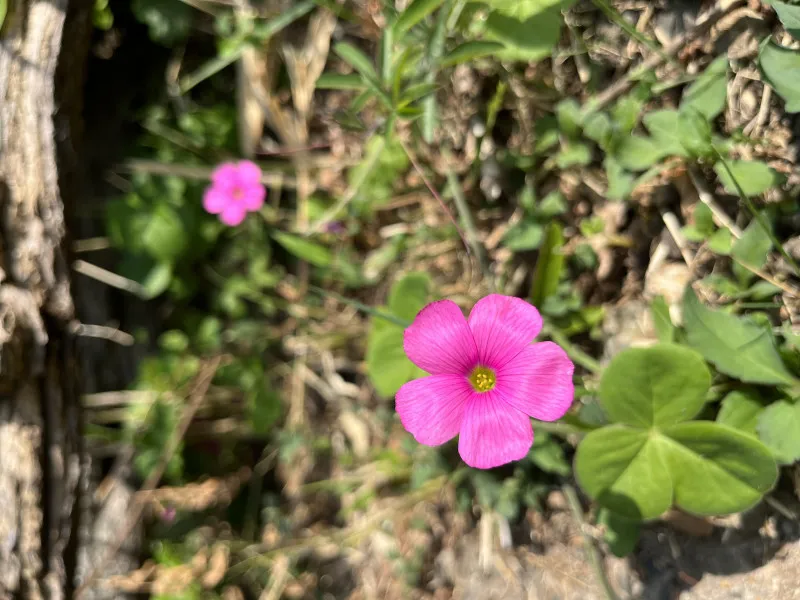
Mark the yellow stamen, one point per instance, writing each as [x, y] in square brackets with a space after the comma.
[482, 379]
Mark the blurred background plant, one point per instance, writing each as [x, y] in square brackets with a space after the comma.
[629, 168]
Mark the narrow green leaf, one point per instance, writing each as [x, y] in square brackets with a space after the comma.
[356, 59]
[737, 347]
[3, 11]
[339, 81]
[661, 320]
[781, 69]
[470, 51]
[304, 249]
[549, 266]
[414, 13]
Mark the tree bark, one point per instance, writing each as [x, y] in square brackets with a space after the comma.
[43, 45]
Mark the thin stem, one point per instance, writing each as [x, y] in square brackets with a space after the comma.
[469, 224]
[362, 307]
[620, 21]
[576, 354]
[591, 550]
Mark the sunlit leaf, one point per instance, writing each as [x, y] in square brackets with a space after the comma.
[779, 428]
[781, 69]
[737, 347]
[708, 93]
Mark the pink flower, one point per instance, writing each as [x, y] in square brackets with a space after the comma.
[235, 190]
[486, 381]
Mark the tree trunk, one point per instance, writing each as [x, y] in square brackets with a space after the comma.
[43, 46]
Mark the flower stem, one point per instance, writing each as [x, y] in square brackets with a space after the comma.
[576, 354]
[594, 555]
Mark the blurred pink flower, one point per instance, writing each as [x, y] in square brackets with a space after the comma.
[486, 381]
[235, 190]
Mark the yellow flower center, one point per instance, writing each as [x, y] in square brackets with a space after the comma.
[482, 379]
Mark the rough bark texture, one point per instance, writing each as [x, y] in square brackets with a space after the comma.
[42, 56]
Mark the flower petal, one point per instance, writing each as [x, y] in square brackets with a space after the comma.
[493, 432]
[233, 214]
[225, 177]
[215, 200]
[439, 340]
[538, 381]
[249, 173]
[502, 327]
[432, 408]
[253, 196]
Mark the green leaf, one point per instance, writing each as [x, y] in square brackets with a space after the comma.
[694, 133]
[740, 409]
[662, 322]
[356, 59]
[168, 21]
[638, 153]
[414, 13]
[754, 177]
[702, 467]
[470, 51]
[708, 93]
[525, 235]
[751, 250]
[549, 265]
[264, 408]
[789, 15]
[165, 237]
[304, 249]
[388, 366]
[620, 181]
[737, 347]
[621, 534]
[656, 386]
[157, 280]
[3, 11]
[574, 153]
[663, 126]
[548, 455]
[568, 112]
[338, 81]
[174, 341]
[779, 428]
[721, 241]
[529, 29]
[781, 69]
[409, 295]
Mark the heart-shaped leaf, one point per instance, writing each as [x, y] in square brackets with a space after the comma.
[737, 347]
[702, 467]
[653, 387]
